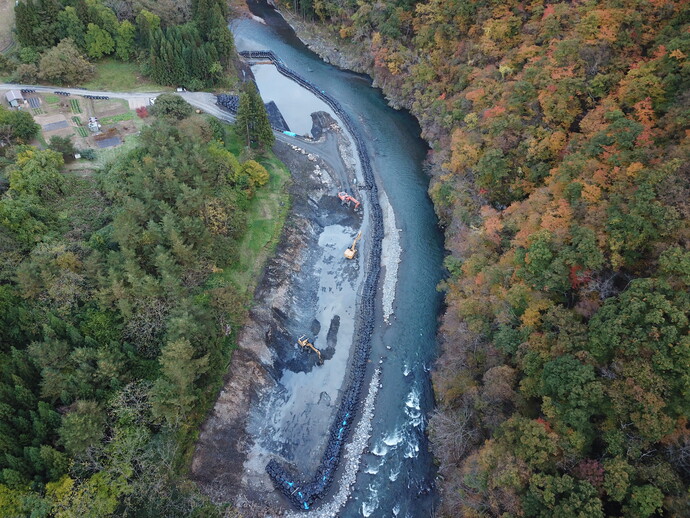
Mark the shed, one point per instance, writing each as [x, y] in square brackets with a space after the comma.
[94, 125]
[14, 98]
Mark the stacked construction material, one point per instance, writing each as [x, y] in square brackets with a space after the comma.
[228, 102]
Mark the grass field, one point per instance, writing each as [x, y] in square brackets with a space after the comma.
[233, 143]
[79, 208]
[266, 217]
[117, 118]
[109, 154]
[117, 76]
[51, 99]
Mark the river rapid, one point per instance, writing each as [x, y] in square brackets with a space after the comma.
[396, 476]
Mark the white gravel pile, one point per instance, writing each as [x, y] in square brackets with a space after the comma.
[345, 150]
[390, 255]
[351, 456]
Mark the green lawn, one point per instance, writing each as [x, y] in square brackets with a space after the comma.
[51, 99]
[117, 76]
[80, 207]
[266, 218]
[117, 118]
[233, 142]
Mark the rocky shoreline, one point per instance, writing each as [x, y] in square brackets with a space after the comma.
[225, 442]
[342, 54]
[352, 456]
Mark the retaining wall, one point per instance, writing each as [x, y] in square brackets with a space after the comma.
[304, 494]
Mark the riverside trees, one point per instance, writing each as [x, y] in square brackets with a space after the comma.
[252, 122]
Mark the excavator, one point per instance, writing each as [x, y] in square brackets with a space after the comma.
[305, 343]
[350, 252]
[346, 198]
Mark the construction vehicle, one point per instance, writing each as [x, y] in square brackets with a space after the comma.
[306, 344]
[350, 252]
[346, 198]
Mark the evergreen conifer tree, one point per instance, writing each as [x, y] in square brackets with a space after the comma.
[26, 19]
[264, 132]
[252, 120]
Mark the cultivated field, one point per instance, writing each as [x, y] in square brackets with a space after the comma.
[69, 116]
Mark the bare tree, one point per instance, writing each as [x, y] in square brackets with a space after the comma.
[678, 453]
[452, 433]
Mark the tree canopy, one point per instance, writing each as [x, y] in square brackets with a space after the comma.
[171, 106]
[112, 333]
[560, 174]
[252, 122]
[64, 64]
[194, 51]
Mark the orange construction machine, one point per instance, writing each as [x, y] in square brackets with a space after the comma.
[306, 344]
[346, 198]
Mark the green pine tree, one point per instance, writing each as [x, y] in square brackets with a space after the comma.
[26, 19]
[252, 120]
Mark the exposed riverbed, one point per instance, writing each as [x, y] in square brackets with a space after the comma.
[292, 399]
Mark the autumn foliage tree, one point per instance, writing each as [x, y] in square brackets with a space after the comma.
[560, 151]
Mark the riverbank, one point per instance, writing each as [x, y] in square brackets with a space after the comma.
[407, 345]
[341, 53]
[307, 288]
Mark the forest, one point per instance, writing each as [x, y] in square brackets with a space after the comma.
[173, 44]
[117, 316]
[560, 146]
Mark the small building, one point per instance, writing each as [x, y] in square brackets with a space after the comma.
[14, 98]
[94, 125]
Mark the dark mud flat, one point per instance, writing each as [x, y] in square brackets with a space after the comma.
[277, 401]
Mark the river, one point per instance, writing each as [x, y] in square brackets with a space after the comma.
[396, 478]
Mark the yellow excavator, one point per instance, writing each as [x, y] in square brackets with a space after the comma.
[304, 342]
[350, 252]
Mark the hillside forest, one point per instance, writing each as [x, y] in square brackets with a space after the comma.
[174, 43]
[118, 314]
[560, 142]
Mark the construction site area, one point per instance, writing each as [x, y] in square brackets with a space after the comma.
[304, 328]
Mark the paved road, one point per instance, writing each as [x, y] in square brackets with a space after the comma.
[202, 100]
[78, 91]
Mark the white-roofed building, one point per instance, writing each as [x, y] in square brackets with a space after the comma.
[14, 98]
